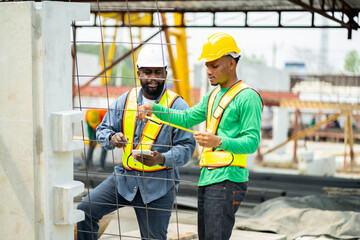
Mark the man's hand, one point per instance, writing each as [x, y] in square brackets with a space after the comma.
[206, 139]
[118, 140]
[144, 110]
[156, 158]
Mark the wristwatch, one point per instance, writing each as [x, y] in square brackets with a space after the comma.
[110, 136]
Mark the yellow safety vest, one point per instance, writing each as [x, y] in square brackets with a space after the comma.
[210, 158]
[150, 132]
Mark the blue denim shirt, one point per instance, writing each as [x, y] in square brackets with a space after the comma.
[131, 181]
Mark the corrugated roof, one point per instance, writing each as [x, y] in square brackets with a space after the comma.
[217, 6]
[345, 13]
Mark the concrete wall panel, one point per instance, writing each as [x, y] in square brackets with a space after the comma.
[35, 73]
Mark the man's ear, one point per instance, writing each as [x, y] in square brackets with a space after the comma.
[232, 63]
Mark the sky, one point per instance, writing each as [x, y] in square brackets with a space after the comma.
[276, 46]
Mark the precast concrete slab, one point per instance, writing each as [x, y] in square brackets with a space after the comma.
[36, 173]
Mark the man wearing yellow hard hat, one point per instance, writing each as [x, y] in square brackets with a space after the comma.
[232, 112]
[93, 118]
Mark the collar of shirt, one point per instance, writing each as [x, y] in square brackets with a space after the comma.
[140, 96]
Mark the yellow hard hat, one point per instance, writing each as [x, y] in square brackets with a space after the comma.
[218, 45]
[93, 118]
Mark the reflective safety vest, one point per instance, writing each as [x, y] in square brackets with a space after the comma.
[209, 157]
[149, 134]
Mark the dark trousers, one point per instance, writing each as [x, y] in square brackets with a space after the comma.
[103, 201]
[89, 156]
[217, 205]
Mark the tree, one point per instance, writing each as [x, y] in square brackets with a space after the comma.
[352, 62]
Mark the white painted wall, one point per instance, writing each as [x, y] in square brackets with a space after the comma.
[35, 72]
[280, 128]
[88, 66]
[262, 77]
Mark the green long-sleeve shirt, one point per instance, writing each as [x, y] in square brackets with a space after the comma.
[239, 130]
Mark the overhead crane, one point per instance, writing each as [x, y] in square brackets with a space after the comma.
[140, 14]
[342, 12]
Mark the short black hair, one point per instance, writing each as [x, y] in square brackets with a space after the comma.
[148, 67]
[237, 59]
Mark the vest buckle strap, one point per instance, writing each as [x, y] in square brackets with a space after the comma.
[152, 129]
[218, 112]
[222, 159]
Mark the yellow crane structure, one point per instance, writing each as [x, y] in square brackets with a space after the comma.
[179, 65]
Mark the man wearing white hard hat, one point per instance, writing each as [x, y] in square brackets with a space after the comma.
[152, 152]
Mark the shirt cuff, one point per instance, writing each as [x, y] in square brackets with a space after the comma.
[224, 143]
[168, 160]
[107, 144]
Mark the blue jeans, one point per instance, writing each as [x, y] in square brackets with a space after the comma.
[103, 201]
[217, 205]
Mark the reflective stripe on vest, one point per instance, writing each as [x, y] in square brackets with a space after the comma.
[209, 157]
[150, 132]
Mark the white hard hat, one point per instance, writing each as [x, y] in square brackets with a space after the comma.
[152, 56]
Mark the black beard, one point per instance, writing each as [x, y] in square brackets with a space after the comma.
[156, 92]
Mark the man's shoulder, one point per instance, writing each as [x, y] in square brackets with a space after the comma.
[249, 93]
[122, 97]
[180, 103]
[248, 96]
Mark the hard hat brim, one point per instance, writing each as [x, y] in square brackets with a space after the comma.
[152, 66]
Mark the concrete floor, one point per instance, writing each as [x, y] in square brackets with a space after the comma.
[182, 226]
[186, 220]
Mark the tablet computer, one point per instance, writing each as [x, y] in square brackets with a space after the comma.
[139, 152]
